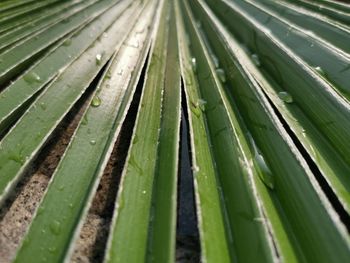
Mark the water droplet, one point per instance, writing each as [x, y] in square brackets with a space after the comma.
[195, 170]
[256, 60]
[134, 164]
[188, 81]
[144, 192]
[264, 171]
[92, 142]
[221, 75]
[120, 203]
[195, 109]
[66, 20]
[201, 104]
[18, 158]
[120, 72]
[67, 42]
[215, 60]
[32, 77]
[71, 205]
[98, 59]
[319, 70]
[61, 188]
[52, 250]
[194, 64]
[285, 96]
[96, 102]
[55, 227]
[108, 75]
[262, 168]
[85, 120]
[105, 34]
[43, 105]
[135, 140]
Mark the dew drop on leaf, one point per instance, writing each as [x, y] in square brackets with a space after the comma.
[108, 75]
[98, 59]
[256, 60]
[41, 210]
[43, 105]
[201, 104]
[134, 164]
[85, 120]
[264, 171]
[52, 249]
[67, 42]
[221, 75]
[66, 20]
[194, 64]
[18, 158]
[55, 227]
[32, 78]
[285, 96]
[261, 166]
[96, 102]
[319, 70]
[92, 142]
[215, 60]
[195, 109]
[135, 140]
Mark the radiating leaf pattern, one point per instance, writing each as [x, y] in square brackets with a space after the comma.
[259, 87]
